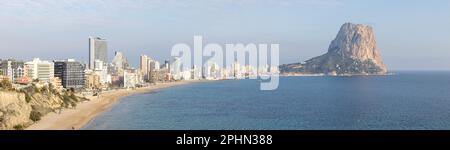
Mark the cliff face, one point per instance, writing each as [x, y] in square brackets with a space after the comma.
[353, 51]
[21, 109]
[14, 110]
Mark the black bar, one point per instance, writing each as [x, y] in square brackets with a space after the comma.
[279, 138]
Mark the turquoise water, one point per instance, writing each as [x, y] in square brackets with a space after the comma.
[407, 100]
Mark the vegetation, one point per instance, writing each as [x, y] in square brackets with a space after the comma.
[34, 88]
[40, 97]
[6, 84]
[35, 116]
[44, 89]
[66, 100]
[52, 89]
[69, 99]
[27, 97]
[73, 97]
[19, 127]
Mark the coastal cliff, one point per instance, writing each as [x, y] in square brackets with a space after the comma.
[14, 110]
[352, 52]
[20, 109]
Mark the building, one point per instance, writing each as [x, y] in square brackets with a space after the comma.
[111, 69]
[195, 73]
[92, 80]
[166, 65]
[236, 70]
[117, 81]
[18, 72]
[101, 69]
[149, 68]
[175, 69]
[98, 65]
[70, 72]
[152, 70]
[153, 66]
[23, 80]
[98, 50]
[130, 79]
[40, 70]
[143, 63]
[120, 62]
[12, 69]
[211, 70]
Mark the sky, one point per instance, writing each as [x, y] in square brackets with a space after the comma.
[411, 34]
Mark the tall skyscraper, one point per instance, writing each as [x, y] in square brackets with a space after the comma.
[143, 64]
[98, 50]
[70, 72]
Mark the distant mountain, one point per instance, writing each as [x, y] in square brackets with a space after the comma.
[352, 52]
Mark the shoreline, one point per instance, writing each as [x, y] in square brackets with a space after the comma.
[75, 119]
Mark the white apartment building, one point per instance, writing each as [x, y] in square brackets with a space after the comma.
[38, 69]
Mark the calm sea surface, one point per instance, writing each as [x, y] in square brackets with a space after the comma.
[407, 100]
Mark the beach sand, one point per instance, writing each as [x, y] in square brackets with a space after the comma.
[74, 119]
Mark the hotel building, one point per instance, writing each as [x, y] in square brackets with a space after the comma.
[38, 69]
[97, 51]
[70, 72]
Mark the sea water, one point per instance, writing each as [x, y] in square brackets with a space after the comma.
[406, 100]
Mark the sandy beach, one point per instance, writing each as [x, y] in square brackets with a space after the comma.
[70, 119]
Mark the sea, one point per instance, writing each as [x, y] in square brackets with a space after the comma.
[406, 100]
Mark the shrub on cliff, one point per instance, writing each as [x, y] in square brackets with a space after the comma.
[6, 84]
[35, 116]
[44, 89]
[52, 89]
[35, 89]
[27, 97]
[66, 100]
[73, 97]
[19, 127]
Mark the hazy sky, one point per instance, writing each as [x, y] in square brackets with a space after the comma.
[411, 34]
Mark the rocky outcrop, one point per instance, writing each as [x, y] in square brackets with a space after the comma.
[14, 110]
[21, 109]
[352, 52]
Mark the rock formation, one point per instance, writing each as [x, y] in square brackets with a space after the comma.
[352, 52]
[18, 110]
